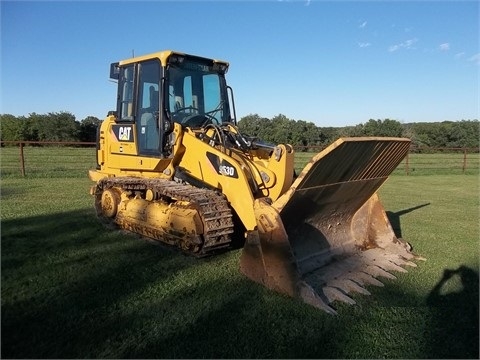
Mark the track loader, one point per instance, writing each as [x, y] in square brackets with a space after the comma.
[172, 165]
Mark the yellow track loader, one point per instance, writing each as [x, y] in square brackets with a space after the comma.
[172, 165]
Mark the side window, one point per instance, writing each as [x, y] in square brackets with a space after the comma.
[148, 93]
[126, 93]
[148, 107]
[211, 91]
[181, 93]
[189, 98]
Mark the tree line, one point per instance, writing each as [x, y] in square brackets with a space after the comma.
[62, 126]
[300, 133]
[54, 126]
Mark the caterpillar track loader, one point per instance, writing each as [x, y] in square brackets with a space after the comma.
[172, 165]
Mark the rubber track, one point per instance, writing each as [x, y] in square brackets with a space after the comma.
[212, 207]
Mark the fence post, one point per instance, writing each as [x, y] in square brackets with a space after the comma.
[464, 166]
[22, 160]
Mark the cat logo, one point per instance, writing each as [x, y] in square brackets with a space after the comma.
[124, 133]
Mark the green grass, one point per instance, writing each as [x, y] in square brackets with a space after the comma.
[47, 162]
[73, 289]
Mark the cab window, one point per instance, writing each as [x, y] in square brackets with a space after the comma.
[148, 107]
[126, 89]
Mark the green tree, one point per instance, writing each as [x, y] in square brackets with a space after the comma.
[15, 128]
[9, 128]
[256, 126]
[59, 126]
[464, 134]
[282, 129]
[88, 129]
[250, 124]
[352, 131]
[386, 127]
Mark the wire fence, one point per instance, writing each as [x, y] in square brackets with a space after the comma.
[46, 159]
[74, 159]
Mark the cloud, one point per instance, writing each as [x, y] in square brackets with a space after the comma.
[363, 24]
[364, 44]
[475, 58]
[393, 48]
[444, 47]
[407, 44]
[459, 55]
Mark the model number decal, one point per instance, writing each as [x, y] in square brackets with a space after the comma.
[222, 166]
[226, 170]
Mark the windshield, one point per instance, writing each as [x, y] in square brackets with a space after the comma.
[196, 95]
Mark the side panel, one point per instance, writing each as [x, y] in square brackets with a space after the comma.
[281, 165]
[222, 172]
[118, 154]
[122, 139]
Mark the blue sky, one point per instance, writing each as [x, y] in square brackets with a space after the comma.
[332, 63]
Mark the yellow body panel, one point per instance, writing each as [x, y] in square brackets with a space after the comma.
[120, 158]
[236, 190]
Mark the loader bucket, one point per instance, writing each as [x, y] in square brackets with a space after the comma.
[329, 235]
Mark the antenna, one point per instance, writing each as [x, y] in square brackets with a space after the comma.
[133, 52]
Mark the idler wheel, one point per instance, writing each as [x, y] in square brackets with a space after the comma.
[109, 203]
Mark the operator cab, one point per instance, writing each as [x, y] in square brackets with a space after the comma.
[156, 90]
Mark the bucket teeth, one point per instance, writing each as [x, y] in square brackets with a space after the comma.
[389, 265]
[365, 279]
[377, 271]
[309, 296]
[348, 286]
[332, 294]
[335, 281]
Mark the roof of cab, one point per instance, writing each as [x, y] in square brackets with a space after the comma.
[163, 56]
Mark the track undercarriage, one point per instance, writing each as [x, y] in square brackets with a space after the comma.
[198, 221]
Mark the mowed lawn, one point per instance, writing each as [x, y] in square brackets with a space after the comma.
[74, 289]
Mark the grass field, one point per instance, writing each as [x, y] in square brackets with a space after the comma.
[47, 162]
[73, 289]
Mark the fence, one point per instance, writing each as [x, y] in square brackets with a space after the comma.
[420, 160]
[46, 159]
[74, 159]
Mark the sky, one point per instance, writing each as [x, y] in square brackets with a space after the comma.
[333, 63]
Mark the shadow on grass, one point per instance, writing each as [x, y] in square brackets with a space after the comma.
[455, 322]
[72, 289]
[226, 319]
[8, 192]
[66, 280]
[394, 218]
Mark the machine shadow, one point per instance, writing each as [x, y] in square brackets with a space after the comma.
[66, 280]
[455, 316]
[394, 218]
